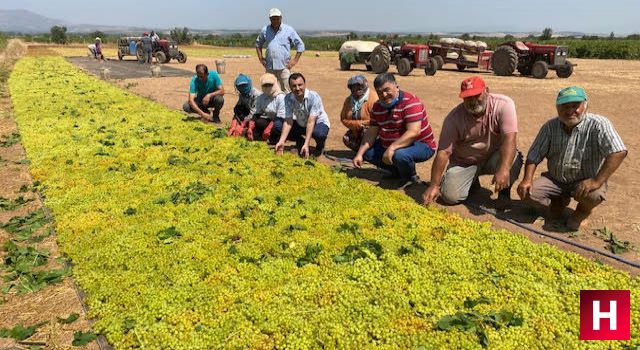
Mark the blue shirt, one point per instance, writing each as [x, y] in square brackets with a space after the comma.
[279, 45]
[202, 88]
[310, 105]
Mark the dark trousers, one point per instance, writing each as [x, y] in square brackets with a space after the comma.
[319, 135]
[404, 159]
[215, 104]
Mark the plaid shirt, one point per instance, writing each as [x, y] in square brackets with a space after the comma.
[579, 155]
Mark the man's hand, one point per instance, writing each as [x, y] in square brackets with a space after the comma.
[585, 187]
[304, 151]
[206, 99]
[524, 189]
[263, 61]
[501, 180]
[280, 148]
[206, 117]
[292, 63]
[387, 157]
[357, 161]
[431, 194]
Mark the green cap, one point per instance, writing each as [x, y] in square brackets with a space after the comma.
[571, 94]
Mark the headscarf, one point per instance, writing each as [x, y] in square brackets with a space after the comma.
[356, 105]
[269, 78]
[243, 84]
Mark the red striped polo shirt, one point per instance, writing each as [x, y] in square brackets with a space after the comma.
[391, 122]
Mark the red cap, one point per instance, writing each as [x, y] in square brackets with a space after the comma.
[471, 87]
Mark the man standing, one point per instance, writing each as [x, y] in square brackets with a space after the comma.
[305, 118]
[478, 138]
[147, 48]
[399, 134]
[279, 38]
[205, 91]
[582, 150]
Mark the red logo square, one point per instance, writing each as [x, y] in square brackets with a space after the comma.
[605, 315]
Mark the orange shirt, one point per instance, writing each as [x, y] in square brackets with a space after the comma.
[346, 116]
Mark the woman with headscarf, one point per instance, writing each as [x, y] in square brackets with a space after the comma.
[246, 106]
[98, 45]
[270, 110]
[356, 110]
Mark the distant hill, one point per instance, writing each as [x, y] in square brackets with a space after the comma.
[24, 21]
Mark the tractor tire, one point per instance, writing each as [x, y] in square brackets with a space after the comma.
[504, 60]
[439, 60]
[182, 57]
[565, 71]
[380, 59]
[539, 69]
[431, 67]
[404, 66]
[160, 57]
[369, 68]
[461, 67]
[344, 65]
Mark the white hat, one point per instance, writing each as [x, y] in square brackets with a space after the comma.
[274, 12]
[97, 38]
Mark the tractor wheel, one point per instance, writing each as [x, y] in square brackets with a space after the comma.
[369, 68]
[504, 60]
[565, 71]
[440, 61]
[380, 59]
[539, 69]
[344, 65]
[461, 67]
[160, 57]
[182, 57]
[431, 67]
[139, 53]
[404, 66]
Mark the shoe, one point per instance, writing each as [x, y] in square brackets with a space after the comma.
[577, 219]
[556, 207]
[413, 180]
[216, 119]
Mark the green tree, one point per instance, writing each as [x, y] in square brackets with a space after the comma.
[612, 36]
[546, 34]
[181, 36]
[509, 37]
[465, 36]
[59, 34]
[98, 34]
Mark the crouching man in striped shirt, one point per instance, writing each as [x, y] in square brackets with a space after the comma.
[582, 150]
[399, 134]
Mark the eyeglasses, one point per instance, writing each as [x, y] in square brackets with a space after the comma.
[356, 87]
[267, 85]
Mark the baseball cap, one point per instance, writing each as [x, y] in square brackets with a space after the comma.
[274, 12]
[357, 80]
[471, 87]
[571, 94]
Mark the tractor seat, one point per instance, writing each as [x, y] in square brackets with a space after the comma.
[521, 46]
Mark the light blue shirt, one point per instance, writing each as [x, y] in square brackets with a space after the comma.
[279, 45]
[310, 105]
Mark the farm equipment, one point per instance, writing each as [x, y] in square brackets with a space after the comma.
[405, 57]
[531, 59]
[464, 54]
[164, 50]
[356, 52]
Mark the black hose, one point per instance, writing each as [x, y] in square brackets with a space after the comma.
[563, 240]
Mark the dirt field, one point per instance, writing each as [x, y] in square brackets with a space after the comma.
[610, 84]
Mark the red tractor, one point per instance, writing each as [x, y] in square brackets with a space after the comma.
[405, 57]
[531, 59]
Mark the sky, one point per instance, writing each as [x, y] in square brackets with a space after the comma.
[588, 16]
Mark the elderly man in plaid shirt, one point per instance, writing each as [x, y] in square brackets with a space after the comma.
[582, 150]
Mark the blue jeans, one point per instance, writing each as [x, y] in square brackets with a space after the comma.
[404, 159]
[297, 134]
